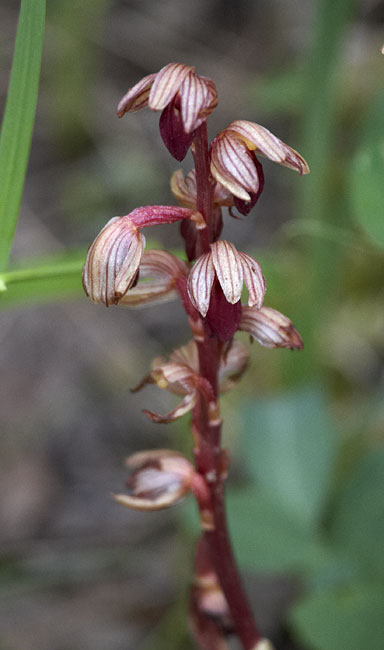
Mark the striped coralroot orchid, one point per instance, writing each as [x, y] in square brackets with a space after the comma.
[270, 328]
[185, 99]
[209, 285]
[234, 163]
[114, 257]
[158, 479]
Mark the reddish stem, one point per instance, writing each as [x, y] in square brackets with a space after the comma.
[208, 452]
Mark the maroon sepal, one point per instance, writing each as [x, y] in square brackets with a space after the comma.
[172, 131]
[223, 318]
[189, 234]
[244, 207]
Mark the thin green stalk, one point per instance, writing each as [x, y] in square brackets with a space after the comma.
[17, 126]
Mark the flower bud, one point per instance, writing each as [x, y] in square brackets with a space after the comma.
[159, 479]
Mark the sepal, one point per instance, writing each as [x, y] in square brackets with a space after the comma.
[270, 328]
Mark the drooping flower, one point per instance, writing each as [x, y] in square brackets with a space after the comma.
[114, 257]
[180, 376]
[159, 478]
[185, 99]
[215, 285]
[159, 272]
[270, 328]
[234, 163]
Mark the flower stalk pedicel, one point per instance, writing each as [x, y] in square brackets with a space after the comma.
[118, 271]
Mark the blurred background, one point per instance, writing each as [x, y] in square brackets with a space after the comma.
[305, 429]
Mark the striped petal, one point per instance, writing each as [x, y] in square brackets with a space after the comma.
[167, 83]
[233, 166]
[254, 280]
[229, 271]
[257, 137]
[197, 100]
[200, 282]
[113, 260]
[270, 328]
[136, 97]
[181, 409]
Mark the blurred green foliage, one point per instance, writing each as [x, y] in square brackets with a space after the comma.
[312, 448]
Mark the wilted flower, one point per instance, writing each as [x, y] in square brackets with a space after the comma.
[180, 375]
[270, 328]
[160, 271]
[234, 164]
[184, 98]
[114, 257]
[159, 478]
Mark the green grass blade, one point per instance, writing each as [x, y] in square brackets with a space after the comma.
[17, 127]
[49, 279]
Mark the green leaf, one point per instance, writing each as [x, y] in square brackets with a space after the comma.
[366, 177]
[290, 445]
[358, 526]
[266, 538]
[42, 280]
[17, 126]
[344, 619]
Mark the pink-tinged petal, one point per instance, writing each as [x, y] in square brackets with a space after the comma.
[200, 281]
[163, 268]
[113, 260]
[159, 478]
[173, 133]
[166, 85]
[229, 270]
[187, 355]
[254, 280]
[148, 293]
[136, 97]
[270, 328]
[244, 207]
[233, 366]
[159, 263]
[197, 101]
[184, 189]
[184, 407]
[233, 166]
[127, 261]
[259, 138]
